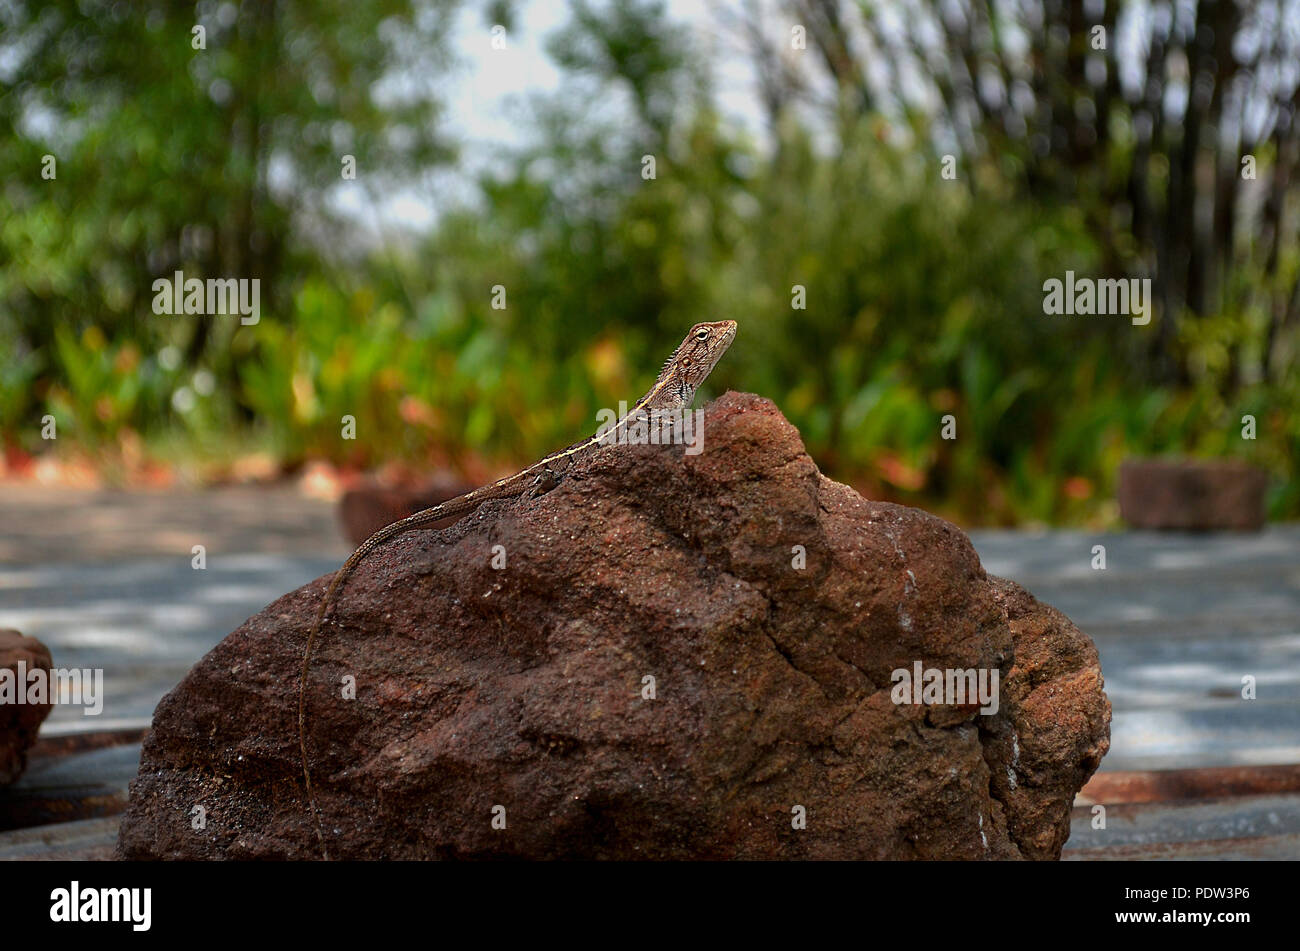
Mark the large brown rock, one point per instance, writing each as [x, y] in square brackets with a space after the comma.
[1194, 495]
[19, 722]
[527, 687]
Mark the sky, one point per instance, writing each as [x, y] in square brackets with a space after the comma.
[486, 95]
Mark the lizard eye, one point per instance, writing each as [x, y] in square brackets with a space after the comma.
[702, 335]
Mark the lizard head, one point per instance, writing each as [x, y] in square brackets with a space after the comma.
[699, 353]
[689, 365]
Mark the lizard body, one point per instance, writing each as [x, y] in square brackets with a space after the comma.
[675, 387]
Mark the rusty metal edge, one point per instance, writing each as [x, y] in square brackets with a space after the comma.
[1172, 785]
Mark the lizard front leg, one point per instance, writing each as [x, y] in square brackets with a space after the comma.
[545, 480]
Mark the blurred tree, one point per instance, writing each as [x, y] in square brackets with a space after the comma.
[216, 160]
[1174, 125]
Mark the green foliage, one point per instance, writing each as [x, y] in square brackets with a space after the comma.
[924, 295]
[173, 158]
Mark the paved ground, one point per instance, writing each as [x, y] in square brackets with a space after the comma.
[106, 580]
[40, 525]
[1178, 619]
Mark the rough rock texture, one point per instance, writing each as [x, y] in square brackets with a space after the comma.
[364, 511]
[525, 687]
[20, 721]
[1192, 494]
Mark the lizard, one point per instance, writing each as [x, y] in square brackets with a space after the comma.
[674, 389]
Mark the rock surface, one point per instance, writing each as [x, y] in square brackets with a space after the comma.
[1194, 495]
[525, 693]
[19, 722]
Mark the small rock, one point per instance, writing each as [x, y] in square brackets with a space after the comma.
[364, 511]
[1192, 494]
[19, 722]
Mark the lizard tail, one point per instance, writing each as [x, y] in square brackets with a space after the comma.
[417, 520]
